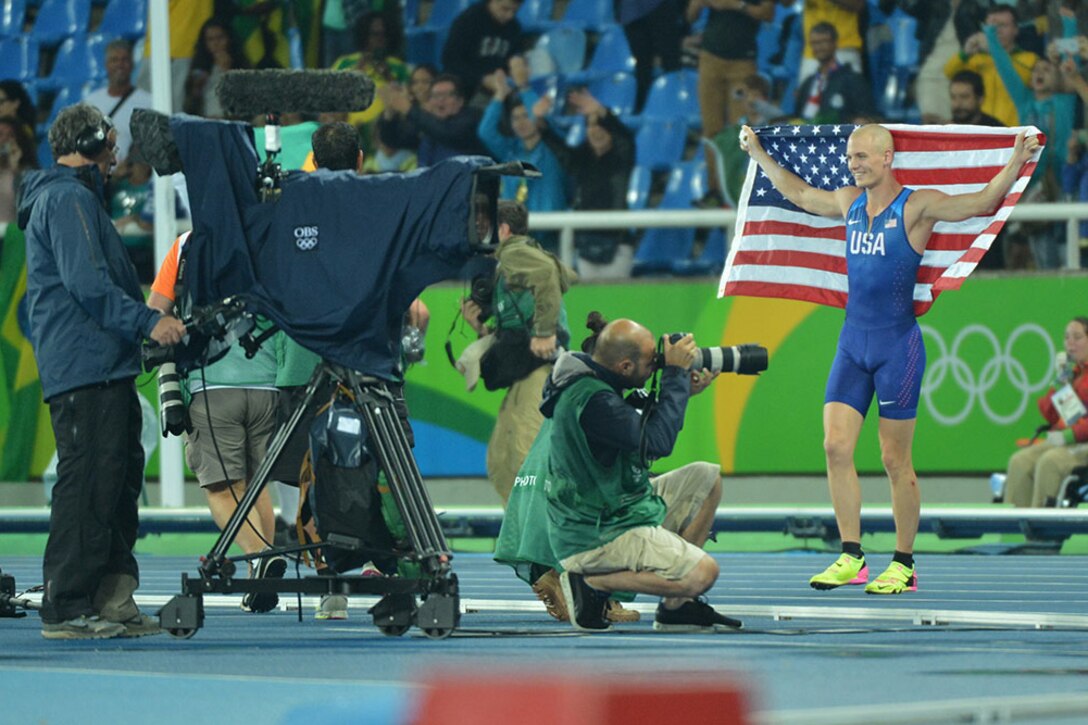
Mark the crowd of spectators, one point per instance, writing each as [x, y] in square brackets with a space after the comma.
[1011, 62]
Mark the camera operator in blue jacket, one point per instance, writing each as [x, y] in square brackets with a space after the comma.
[87, 318]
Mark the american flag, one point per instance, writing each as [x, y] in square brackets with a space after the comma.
[779, 250]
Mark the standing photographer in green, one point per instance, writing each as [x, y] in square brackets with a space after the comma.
[528, 326]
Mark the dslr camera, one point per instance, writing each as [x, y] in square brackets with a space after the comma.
[482, 292]
[747, 359]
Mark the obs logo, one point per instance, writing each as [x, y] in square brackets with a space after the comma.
[306, 238]
[996, 371]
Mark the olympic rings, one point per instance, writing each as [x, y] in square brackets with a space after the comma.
[1001, 364]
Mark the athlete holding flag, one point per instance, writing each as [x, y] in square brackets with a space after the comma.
[880, 348]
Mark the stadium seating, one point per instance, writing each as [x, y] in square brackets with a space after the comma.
[64, 97]
[659, 142]
[19, 58]
[78, 61]
[711, 259]
[615, 92]
[589, 14]
[674, 95]
[567, 47]
[12, 17]
[536, 15]
[611, 55]
[124, 19]
[638, 188]
[659, 249]
[60, 19]
[424, 42]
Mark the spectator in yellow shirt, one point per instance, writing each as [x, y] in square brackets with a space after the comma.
[976, 57]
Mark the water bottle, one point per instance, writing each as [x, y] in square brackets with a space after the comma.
[997, 487]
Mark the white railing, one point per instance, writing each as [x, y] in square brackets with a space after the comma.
[566, 222]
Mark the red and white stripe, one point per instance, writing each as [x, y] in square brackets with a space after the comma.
[801, 256]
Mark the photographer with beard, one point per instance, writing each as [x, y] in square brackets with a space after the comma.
[611, 527]
[530, 325]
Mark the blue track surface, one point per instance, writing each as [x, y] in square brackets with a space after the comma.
[271, 668]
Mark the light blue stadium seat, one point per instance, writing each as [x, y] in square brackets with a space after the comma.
[638, 187]
[60, 19]
[659, 249]
[589, 14]
[12, 17]
[674, 95]
[903, 28]
[711, 259]
[611, 55]
[124, 19]
[424, 42]
[410, 8]
[567, 47]
[785, 73]
[45, 154]
[536, 15]
[19, 58]
[616, 92]
[76, 63]
[659, 143]
[687, 182]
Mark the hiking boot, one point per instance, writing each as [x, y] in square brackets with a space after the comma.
[585, 604]
[618, 614]
[846, 570]
[269, 567]
[694, 615]
[550, 592]
[332, 607]
[896, 579]
[82, 627]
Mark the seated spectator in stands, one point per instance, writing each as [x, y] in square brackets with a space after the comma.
[845, 17]
[481, 41]
[216, 52]
[388, 158]
[965, 94]
[511, 132]
[600, 168]
[942, 28]
[977, 56]
[420, 82]
[726, 58]
[1037, 471]
[119, 98]
[15, 101]
[17, 154]
[445, 128]
[835, 93]
[759, 108]
[654, 28]
[372, 59]
[1049, 106]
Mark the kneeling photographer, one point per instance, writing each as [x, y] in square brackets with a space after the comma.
[529, 326]
[611, 527]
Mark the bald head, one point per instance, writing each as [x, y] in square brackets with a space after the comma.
[622, 340]
[873, 133]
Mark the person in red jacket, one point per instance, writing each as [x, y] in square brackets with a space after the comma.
[1036, 472]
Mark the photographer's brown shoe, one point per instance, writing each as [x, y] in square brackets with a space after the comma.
[617, 613]
[548, 591]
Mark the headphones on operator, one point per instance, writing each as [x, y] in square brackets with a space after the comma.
[94, 139]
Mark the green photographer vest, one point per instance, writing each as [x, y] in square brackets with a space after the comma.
[590, 504]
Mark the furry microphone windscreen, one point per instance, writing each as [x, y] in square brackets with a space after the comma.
[247, 93]
[151, 133]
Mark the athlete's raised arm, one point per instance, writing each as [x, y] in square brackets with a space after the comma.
[814, 201]
[936, 206]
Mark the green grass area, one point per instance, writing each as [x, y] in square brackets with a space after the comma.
[198, 544]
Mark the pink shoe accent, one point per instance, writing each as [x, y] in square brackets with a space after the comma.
[862, 577]
[913, 581]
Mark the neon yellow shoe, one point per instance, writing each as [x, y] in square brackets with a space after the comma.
[896, 579]
[846, 570]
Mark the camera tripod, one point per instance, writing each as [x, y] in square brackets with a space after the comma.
[438, 612]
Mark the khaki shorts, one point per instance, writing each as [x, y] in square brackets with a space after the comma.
[659, 549]
[242, 421]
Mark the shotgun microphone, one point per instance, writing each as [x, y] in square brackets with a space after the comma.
[248, 93]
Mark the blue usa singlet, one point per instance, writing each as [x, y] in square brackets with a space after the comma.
[880, 347]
